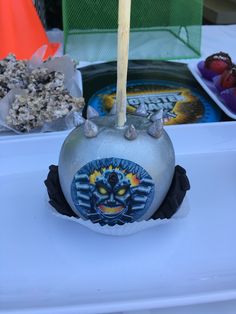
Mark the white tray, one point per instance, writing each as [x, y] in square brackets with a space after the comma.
[211, 90]
[50, 265]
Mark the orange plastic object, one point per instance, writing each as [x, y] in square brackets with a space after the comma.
[21, 31]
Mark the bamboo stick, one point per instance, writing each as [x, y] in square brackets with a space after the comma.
[122, 60]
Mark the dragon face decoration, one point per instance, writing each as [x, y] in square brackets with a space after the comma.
[111, 194]
[112, 191]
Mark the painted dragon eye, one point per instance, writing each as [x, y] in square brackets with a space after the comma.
[121, 191]
[102, 190]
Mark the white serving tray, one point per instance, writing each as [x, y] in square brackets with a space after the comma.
[50, 265]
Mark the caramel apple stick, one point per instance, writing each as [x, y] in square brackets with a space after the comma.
[122, 59]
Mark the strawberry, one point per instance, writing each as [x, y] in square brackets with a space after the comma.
[228, 79]
[218, 62]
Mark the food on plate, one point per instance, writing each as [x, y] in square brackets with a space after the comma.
[214, 65]
[28, 112]
[218, 62]
[226, 80]
[13, 74]
[38, 93]
[220, 69]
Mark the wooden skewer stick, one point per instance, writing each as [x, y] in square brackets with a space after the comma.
[122, 60]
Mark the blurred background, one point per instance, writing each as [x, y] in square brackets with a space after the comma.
[214, 12]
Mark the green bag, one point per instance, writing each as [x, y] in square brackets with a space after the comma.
[160, 29]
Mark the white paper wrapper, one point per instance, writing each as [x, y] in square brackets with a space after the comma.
[128, 228]
[72, 83]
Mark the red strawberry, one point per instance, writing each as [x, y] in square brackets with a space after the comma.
[219, 62]
[228, 79]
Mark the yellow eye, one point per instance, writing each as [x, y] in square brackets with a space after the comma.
[121, 192]
[102, 191]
